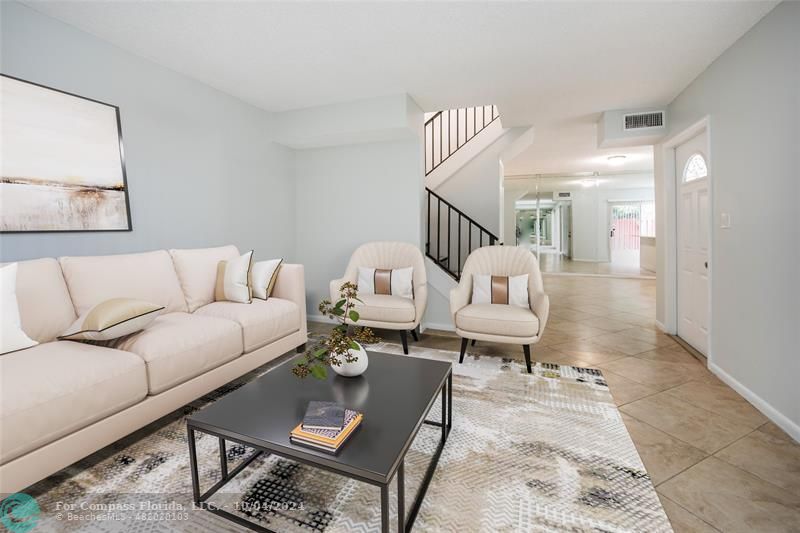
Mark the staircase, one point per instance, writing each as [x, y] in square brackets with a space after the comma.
[452, 235]
[449, 130]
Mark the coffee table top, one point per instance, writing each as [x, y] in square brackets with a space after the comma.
[395, 394]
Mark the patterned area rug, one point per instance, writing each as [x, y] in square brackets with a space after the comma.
[547, 452]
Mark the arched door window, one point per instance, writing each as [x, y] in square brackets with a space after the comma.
[695, 168]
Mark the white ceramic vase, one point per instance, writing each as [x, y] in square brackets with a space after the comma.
[357, 367]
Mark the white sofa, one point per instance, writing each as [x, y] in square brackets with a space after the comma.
[62, 400]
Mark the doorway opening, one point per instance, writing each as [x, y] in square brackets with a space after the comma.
[631, 235]
[623, 238]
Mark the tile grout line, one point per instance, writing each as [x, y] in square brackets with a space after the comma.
[698, 407]
[687, 510]
[707, 455]
[714, 455]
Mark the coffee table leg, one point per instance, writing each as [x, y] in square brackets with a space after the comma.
[444, 411]
[193, 467]
[223, 458]
[401, 497]
[385, 508]
[449, 401]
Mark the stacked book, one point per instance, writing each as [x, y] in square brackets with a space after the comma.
[326, 426]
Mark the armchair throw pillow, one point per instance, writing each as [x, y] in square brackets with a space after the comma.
[505, 290]
[397, 281]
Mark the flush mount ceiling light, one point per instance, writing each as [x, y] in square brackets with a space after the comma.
[616, 160]
[590, 183]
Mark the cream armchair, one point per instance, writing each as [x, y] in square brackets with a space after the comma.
[500, 323]
[386, 311]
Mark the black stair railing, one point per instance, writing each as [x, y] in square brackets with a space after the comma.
[449, 130]
[452, 235]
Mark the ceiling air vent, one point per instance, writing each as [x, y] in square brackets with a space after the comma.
[637, 121]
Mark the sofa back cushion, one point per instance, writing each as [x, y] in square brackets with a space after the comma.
[197, 272]
[45, 306]
[147, 276]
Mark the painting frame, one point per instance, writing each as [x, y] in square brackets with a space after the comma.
[123, 170]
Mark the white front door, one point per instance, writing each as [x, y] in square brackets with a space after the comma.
[694, 225]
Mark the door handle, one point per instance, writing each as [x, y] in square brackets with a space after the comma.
[706, 263]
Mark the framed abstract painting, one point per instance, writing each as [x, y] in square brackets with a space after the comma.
[62, 166]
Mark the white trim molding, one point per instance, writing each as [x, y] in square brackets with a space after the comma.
[320, 318]
[670, 223]
[759, 403]
[434, 325]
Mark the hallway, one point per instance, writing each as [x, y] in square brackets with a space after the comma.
[550, 263]
[708, 451]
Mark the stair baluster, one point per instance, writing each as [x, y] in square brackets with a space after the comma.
[453, 130]
[444, 244]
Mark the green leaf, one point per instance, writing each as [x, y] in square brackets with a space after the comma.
[354, 346]
[340, 304]
[319, 371]
[338, 311]
[319, 353]
[354, 315]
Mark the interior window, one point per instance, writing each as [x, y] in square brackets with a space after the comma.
[695, 168]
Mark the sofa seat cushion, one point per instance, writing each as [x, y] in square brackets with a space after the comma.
[497, 319]
[385, 308]
[178, 346]
[57, 388]
[262, 321]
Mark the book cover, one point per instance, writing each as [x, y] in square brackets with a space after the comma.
[329, 435]
[324, 415]
[324, 446]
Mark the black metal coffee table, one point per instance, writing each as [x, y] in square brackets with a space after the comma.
[395, 394]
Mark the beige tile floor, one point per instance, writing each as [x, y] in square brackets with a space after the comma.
[717, 463]
[555, 263]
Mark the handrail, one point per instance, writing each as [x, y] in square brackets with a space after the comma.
[431, 137]
[445, 242]
[463, 214]
[438, 113]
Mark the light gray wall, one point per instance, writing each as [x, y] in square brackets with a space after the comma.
[590, 219]
[437, 314]
[349, 195]
[475, 188]
[752, 95]
[201, 167]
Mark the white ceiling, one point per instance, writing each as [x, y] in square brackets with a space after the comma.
[571, 147]
[552, 65]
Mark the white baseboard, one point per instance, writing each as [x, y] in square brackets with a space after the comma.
[320, 318]
[759, 403]
[434, 325]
